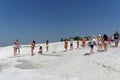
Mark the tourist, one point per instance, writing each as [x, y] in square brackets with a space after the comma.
[32, 48]
[15, 49]
[47, 46]
[18, 46]
[100, 43]
[116, 38]
[105, 39]
[71, 44]
[40, 50]
[92, 43]
[66, 45]
[77, 43]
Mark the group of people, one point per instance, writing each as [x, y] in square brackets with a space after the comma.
[71, 44]
[99, 41]
[16, 47]
[103, 42]
[40, 48]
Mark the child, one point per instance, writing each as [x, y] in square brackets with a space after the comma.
[32, 48]
[40, 50]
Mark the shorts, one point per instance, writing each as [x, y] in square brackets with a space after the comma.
[105, 42]
[116, 40]
[92, 46]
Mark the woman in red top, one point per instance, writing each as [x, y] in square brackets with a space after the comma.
[83, 42]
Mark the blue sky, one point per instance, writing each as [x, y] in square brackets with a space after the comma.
[43, 20]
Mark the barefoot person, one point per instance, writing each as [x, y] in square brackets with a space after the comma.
[40, 50]
[32, 48]
[66, 45]
[116, 38]
[47, 46]
[71, 44]
[15, 49]
[91, 45]
[78, 44]
[105, 39]
[18, 46]
[99, 43]
[83, 42]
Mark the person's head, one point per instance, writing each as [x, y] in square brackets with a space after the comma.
[47, 41]
[90, 38]
[34, 42]
[99, 35]
[17, 40]
[40, 47]
[105, 35]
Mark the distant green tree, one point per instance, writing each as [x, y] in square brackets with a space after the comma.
[77, 38]
[87, 38]
[65, 39]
